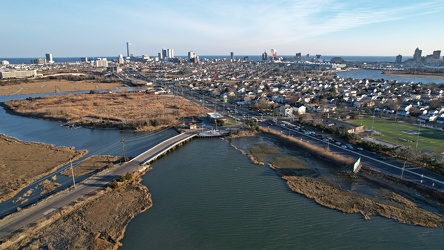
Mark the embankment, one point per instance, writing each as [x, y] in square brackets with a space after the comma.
[97, 222]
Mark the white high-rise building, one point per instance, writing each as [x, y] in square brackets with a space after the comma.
[170, 53]
[191, 55]
[101, 63]
[164, 54]
[120, 60]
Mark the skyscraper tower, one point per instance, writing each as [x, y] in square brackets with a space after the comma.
[164, 53]
[436, 54]
[264, 56]
[232, 56]
[191, 55]
[129, 52]
[417, 55]
[273, 54]
[49, 58]
[398, 59]
[170, 53]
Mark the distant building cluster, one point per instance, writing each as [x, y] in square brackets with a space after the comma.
[433, 58]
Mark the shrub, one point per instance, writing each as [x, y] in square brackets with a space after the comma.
[113, 184]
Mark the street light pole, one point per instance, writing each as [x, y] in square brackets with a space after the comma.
[417, 135]
[72, 172]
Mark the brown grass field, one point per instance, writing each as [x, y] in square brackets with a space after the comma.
[23, 162]
[138, 111]
[51, 86]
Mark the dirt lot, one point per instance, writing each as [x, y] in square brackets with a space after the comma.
[23, 162]
[51, 86]
[136, 111]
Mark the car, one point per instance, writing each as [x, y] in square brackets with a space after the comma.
[360, 149]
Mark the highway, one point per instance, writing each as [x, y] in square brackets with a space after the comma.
[91, 184]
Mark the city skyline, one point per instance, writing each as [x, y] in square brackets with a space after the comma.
[327, 27]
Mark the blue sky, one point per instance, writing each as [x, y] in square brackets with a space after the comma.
[213, 27]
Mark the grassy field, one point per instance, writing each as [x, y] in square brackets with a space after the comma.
[400, 133]
[48, 86]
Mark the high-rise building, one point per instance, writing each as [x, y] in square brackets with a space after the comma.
[191, 55]
[120, 59]
[49, 58]
[417, 55]
[164, 54]
[232, 56]
[101, 62]
[160, 55]
[170, 53]
[398, 59]
[436, 54]
[273, 54]
[38, 61]
[129, 49]
[264, 56]
[298, 56]
[84, 59]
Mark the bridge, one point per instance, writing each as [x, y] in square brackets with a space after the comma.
[34, 213]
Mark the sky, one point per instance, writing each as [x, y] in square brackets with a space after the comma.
[80, 28]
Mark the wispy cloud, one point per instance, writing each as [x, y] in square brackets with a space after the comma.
[265, 22]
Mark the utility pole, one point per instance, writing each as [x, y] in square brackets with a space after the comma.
[123, 148]
[417, 135]
[402, 173]
[72, 172]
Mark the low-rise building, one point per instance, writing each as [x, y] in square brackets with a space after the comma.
[18, 74]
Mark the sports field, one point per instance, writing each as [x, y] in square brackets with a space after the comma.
[400, 133]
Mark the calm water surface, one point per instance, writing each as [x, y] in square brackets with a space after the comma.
[206, 195]
[377, 74]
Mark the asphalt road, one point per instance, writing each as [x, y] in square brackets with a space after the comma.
[371, 160]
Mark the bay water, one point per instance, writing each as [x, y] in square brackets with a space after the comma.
[207, 195]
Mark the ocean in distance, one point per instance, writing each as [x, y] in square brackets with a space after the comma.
[250, 57]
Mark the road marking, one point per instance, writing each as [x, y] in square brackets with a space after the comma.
[48, 211]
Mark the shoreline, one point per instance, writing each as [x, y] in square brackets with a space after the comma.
[330, 194]
[116, 206]
[77, 155]
[409, 75]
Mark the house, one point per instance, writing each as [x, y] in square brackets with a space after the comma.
[286, 111]
[351, 128]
